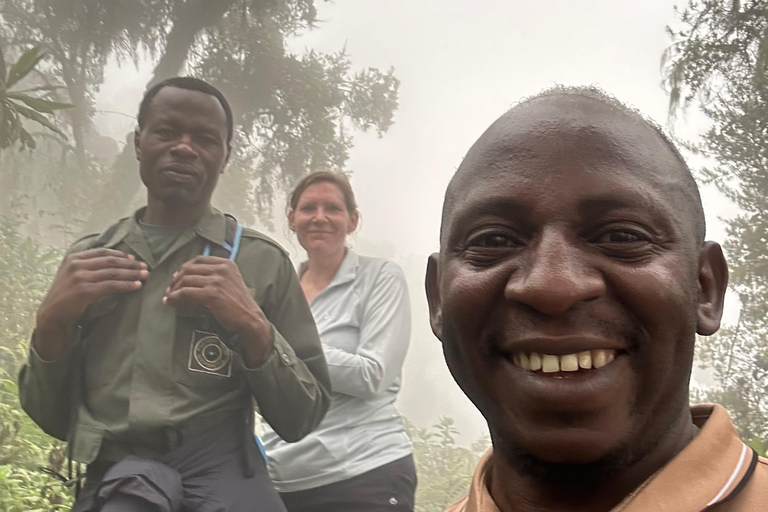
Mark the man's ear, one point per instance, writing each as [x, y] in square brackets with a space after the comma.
[713, 281]
[136, 144]
[432, 283]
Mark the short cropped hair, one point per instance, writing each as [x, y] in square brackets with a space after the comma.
[191, 84]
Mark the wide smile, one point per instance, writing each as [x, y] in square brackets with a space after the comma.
[586, 360]
[566, 373]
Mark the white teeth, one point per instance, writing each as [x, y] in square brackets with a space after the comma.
[569, 363]
[535, 360]
[585, 359]
[550, 364]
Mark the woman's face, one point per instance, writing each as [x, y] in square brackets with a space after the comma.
[321, 220]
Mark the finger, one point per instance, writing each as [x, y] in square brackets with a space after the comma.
[98, 290]
[198, 269]
[101, 252]
[191, 281]
[115, 274]
[201, 295]
[109, 261]
[203, 266]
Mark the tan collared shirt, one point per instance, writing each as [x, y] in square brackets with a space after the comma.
[130, 359]
[716, 472]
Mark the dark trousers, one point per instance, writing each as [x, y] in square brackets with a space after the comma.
[205, 475]
[388, 488]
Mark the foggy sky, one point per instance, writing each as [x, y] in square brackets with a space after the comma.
[462, 64]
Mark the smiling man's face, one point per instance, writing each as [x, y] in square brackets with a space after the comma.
[567, 292]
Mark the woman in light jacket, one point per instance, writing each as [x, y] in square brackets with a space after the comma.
[359, 458]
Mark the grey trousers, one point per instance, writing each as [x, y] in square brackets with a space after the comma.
[204, 475]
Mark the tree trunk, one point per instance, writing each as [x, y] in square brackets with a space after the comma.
[192, 17]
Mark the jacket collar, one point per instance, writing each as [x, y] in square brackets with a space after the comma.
[210, 226]
[712, 468]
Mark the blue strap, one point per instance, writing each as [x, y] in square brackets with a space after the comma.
[233, 249]
[236, 245]
[261, 446]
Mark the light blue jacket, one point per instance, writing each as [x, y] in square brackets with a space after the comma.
[364, 321]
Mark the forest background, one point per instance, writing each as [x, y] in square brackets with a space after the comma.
[304, 101]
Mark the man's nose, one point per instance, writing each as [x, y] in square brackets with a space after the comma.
[184, 147]
[556, 276]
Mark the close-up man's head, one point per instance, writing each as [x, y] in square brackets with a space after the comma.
[572, 279]
[183, 140]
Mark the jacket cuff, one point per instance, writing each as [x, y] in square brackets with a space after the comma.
[60, 365]
[280, 355]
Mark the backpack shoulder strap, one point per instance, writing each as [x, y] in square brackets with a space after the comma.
[233, 231]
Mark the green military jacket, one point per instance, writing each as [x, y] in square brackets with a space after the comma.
[129, 363]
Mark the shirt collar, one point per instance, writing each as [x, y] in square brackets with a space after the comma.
[708, 471]
[210, 226]
[347, 270]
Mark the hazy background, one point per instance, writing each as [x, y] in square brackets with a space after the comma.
[462, 64]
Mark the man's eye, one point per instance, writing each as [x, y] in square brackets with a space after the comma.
[493, 240]
[620, 236]
[165, 133]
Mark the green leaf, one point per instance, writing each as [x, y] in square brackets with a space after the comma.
[39, 104]
[24, 65]
[39, 118]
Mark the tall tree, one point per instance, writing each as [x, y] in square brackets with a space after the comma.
[719, 61]
[292, 108]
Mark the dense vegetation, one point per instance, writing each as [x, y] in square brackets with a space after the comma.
[718, 62]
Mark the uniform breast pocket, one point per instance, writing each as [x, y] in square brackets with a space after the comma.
[202, 358]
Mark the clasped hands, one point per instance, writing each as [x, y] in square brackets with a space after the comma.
[213, 282]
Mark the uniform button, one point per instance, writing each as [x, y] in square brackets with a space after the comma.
[286, 359]
[393, 501]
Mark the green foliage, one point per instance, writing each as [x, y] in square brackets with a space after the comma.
[444, 469]
[294, 112]
[11, 109]
[719, 59]
[26, 270]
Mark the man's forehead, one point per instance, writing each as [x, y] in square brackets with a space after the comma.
[562, 132]
[187, 100]
[579, 128]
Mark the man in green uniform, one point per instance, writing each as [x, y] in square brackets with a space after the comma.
[149, 350]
